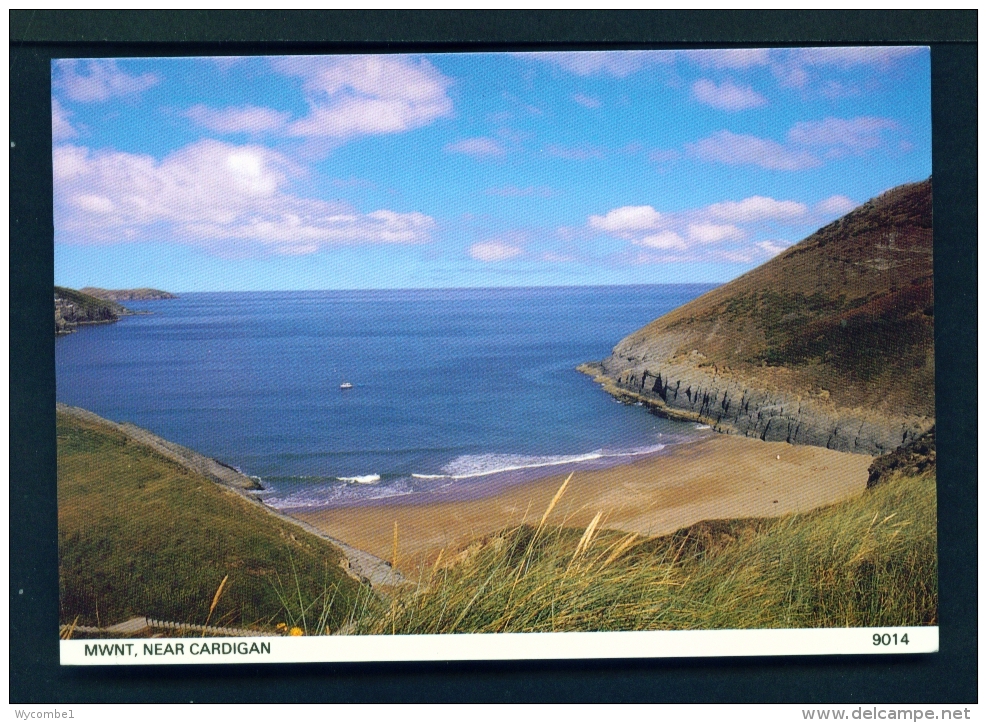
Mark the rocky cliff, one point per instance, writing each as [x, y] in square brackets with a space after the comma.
[830, 343]
[74, 307]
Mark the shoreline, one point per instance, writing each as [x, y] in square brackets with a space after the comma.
[482, 485]
[719, 477]
[715, 477]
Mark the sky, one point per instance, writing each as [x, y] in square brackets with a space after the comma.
[470, 169]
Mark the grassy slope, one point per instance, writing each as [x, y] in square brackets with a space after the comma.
[140, 535]
[849, 309]
[870, 561]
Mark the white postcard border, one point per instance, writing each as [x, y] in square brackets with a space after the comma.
[501, 646]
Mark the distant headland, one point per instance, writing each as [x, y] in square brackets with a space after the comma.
[97, 306]
[142, 294]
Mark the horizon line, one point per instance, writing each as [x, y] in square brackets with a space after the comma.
[398, 288]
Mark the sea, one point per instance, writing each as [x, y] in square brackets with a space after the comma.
[455, 392]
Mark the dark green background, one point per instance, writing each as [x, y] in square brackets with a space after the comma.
[35, 676]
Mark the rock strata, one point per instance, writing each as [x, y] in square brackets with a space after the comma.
[735, 406]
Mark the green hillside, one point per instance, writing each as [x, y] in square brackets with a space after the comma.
[139, 535]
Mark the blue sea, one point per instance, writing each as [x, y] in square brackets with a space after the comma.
[455, 391]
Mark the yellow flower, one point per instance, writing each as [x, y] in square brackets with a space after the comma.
[280, 626]
[295, 632]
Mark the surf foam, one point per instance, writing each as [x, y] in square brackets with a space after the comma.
[366, 479]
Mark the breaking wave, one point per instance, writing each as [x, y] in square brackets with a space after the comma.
[468, 466]
[366, 479]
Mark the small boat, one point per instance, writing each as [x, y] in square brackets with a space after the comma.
[345, 385]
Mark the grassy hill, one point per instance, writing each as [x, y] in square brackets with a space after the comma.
[841, 320]
[870, 561]
[140, 535]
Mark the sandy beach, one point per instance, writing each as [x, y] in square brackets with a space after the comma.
[715, 478]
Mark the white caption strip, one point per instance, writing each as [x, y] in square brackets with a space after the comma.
[502, 646]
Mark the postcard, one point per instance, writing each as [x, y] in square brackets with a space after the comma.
[466, 356]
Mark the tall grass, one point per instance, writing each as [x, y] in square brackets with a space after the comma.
[870, 561]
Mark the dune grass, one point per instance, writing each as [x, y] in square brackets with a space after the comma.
[141, 536]
[870, 561]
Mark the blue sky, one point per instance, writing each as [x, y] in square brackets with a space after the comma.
[451, 170]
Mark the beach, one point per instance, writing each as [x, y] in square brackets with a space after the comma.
[719, 477]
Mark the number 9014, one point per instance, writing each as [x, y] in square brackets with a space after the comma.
[890, 639]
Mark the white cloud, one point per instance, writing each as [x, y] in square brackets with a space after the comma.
[366, 94]
[756, 208]
[802, 67]
[726, 95]
[708, 233]
[245, 119]
[667, 240]
[731, 231]
[836, 206]
[211, 194]
[739, 149]
[61, 126]
[807, 143]
[799, 67]
[98, 80]
[480, 147]
[627, 220]
[491, 251]
[616, 63]
[840, 135]
[772, 248]
[840, 57]
[587, 101]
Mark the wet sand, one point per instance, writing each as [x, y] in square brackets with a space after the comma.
[716, 478]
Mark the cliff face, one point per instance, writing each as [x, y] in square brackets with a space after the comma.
[829, 344]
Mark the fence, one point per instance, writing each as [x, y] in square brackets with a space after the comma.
[135, 626]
